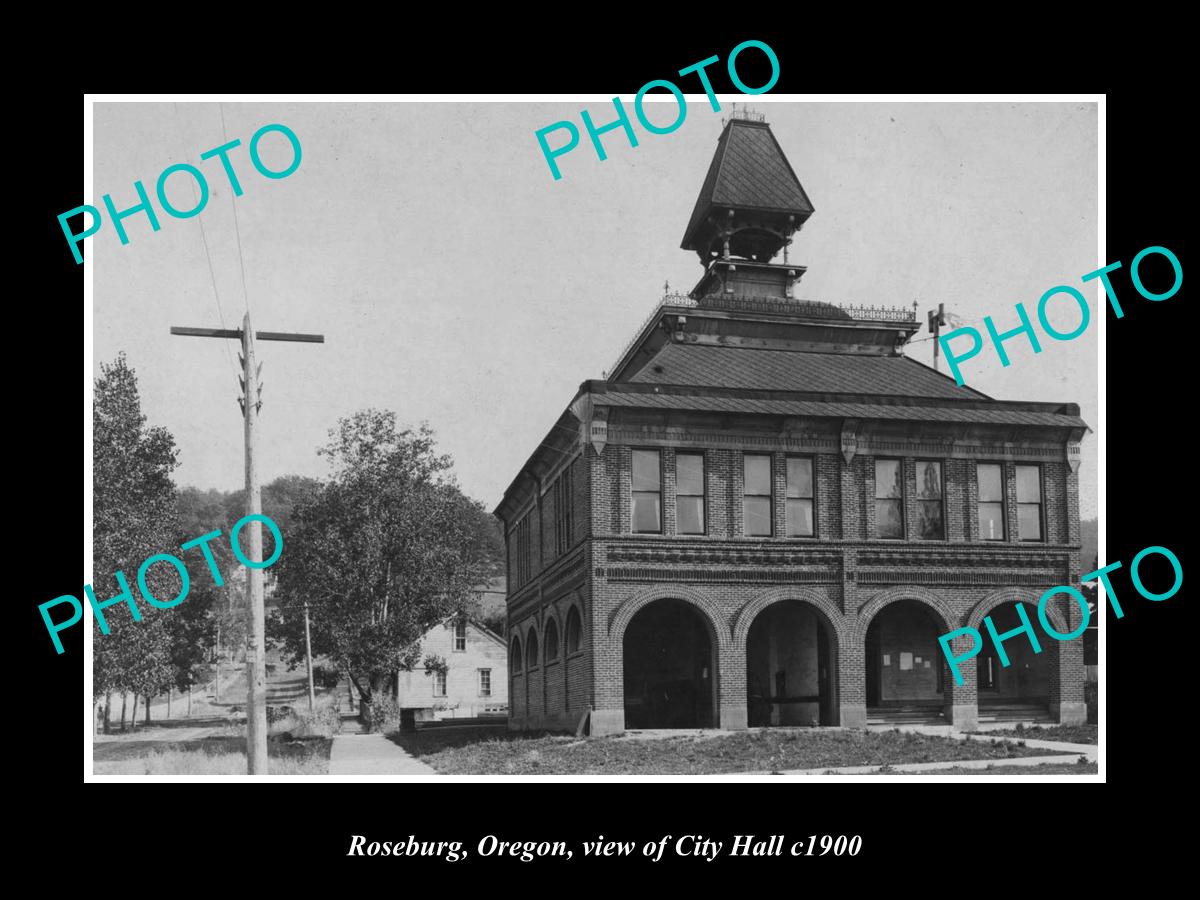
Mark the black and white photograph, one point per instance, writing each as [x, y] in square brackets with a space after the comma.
[453, 438]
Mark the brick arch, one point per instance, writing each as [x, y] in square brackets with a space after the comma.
[1015, 595]
[932, 599]
[533, 629]
[515, 638]
[623, 614]
[551, 614]
[745, 616]
[574, 603]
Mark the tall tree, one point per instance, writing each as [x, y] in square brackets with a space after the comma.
[382, 552]
[134, 517]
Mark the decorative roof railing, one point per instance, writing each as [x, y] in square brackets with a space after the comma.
[745, 114]
[809, 308]
[736, 302]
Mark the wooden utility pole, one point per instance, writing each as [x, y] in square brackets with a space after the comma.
[312, 700]
[256, 650]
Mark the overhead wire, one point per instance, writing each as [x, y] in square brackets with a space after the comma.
[236, 231]
[208, 256]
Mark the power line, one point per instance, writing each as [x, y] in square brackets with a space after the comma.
[207, 255]
[236, 231]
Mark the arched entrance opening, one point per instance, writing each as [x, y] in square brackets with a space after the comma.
[1019, 691]
[906, 680]
[790, 667]
[670, 658]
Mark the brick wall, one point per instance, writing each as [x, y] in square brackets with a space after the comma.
[717, 572]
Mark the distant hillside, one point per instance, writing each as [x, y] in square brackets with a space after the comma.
[1089, 531]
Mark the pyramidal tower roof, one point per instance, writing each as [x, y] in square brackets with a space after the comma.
[748, 173]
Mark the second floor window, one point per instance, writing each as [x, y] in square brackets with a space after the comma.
[930, 523]
[689, 493]
[564, 511]
[460, 636]
[756, 490]
[1029, 503]
[991, 501]
[889, 499]
[800, 497]
[647, 492]
[524, 552]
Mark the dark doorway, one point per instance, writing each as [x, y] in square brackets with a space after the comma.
[904, 665]
[668, 668]
[1019, 691]
[789, 667]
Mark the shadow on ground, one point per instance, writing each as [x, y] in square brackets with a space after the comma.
[425, 741]
[214, 746]
[194, 722]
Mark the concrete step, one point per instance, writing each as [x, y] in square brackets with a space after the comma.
[1014, 712]
[905, 715]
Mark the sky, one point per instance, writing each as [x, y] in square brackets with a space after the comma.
[457, 283]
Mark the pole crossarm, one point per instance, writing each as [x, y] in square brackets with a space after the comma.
[236, 334]
[289, 336]
[207, 332]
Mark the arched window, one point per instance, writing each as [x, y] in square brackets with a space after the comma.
[573, 630]
[531, 649]
[515, 655]
[551, 640]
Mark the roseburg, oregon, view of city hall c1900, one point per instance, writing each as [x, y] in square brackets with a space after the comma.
[767, 515]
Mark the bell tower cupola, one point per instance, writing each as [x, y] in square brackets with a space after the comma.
[750, 206]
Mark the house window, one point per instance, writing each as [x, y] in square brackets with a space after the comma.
[930, 522]
[799, 498]
[756, 495]
[1029, 503]
[647, 492]
[573, 630]
[991, 501]
[889, 499]
[689, 493]
[485, 682]
[551, 640]
[439, 683]
[460, 635]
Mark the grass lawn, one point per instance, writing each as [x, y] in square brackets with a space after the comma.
[493, 752]
[1071, 734]
[1001, 769]
[208, 756]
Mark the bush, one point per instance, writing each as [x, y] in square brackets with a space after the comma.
[326, 677]
[383, 713]
[324, 721]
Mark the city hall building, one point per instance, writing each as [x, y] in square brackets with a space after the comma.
[766, 514]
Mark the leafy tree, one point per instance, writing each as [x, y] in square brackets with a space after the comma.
[382, 552]
[134, 517]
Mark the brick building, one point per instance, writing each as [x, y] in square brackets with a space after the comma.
[766, 514]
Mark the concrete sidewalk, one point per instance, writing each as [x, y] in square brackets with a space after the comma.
[1091, 751]
[372, 754]
[931, 767]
